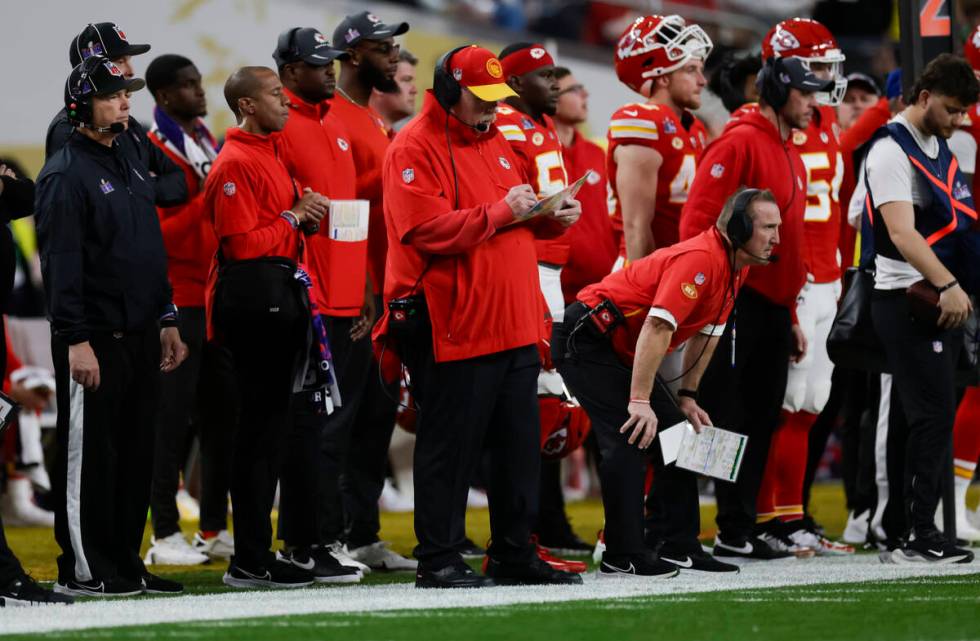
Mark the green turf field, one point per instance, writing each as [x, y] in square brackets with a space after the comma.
[813, 599]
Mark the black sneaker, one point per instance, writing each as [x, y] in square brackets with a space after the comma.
[750, 548]
[106, 588]
[458, 575]
[24, 591]
[639, 566]
[935, 549]
[278, 574]
[567, 544]
[470, 550]
[323, 565]
[695, 560]
[153, 584]
[535, 572]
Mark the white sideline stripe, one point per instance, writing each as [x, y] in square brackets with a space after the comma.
[881, 456]
[386, 598]
[76, 444]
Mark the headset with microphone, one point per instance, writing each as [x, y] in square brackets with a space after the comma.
[739, 228]
[79, 94]
[448, 91]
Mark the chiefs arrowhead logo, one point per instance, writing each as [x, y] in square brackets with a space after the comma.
[783, 40]
[537, 53]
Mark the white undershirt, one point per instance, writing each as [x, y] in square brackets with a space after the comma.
[892, 178]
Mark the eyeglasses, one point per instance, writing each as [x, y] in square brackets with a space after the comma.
[572, 89]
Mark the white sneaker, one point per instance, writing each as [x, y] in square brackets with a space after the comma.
[477, 498]
[173, 550]
[787, 544]
[394, 501]
[600, 547]
[820, 544]
[18, 508]
[221, 546]
[856, 532]
[377, 556]
[340, 552]
[187, 505]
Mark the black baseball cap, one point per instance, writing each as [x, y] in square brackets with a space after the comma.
[365, 26]
[306, 44]
[102, 39]
[794, 73]
[102, 77]
[858, 79]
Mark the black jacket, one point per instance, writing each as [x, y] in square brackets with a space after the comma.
[16, 201]
[102, 255]
[169, 185]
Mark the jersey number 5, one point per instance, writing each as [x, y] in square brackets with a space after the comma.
[819, 192]
[551, 173]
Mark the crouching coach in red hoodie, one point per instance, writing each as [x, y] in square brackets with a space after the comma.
[744, 384]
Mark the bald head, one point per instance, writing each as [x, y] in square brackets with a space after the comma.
[245, 83]
[255, 95]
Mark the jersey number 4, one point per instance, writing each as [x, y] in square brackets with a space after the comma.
[681, 184]
[820, 193]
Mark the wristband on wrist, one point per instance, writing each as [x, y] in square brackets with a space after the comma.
[291, 218]
[949, 285]
[640, 400]
[689, 393]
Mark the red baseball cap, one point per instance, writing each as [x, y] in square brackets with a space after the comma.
[478, 70]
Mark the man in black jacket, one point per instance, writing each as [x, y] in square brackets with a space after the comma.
[106, 39]
[113, 331]
[16, 201]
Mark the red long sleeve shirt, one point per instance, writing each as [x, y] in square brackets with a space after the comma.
[316, 151]
[450, 237]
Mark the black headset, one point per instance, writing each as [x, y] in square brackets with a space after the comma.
[78, 101]
[739, 228]
[771, 88]
[287, 44]
[446, 89]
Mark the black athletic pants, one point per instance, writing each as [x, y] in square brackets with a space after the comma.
[601, 383]
[922, 361]
[747, 397]
[265, 359]
[101, 481]
[311, 509]
[487, 402]
[200, 391]
[367, 457]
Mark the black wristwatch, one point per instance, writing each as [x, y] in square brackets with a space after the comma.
[690, 393]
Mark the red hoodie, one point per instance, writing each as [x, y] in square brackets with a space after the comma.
[751, 153]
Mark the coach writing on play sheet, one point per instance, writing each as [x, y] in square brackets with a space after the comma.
[465, 309]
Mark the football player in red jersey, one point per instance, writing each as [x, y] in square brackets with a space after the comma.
[525, 121]
[780, 500]
[654, 145]
[966, 431]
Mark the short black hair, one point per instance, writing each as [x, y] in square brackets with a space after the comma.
[562, 72]
[406, 56]
[947, 75]
[244, 83]
[162, 72]
[514, 48]
[728, 80]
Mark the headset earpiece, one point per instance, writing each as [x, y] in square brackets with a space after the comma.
[739, 228]
[77, 104]
[446, 89]
[287, 42]
[771, 88]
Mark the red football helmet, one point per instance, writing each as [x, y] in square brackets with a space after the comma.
[971, 50]
[657, 45]
[564, 426]
[811, 42]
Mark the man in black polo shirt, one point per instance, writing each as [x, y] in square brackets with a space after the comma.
[113, 331]
[107, 39]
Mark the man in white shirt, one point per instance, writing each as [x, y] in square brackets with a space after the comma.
[921, 213]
